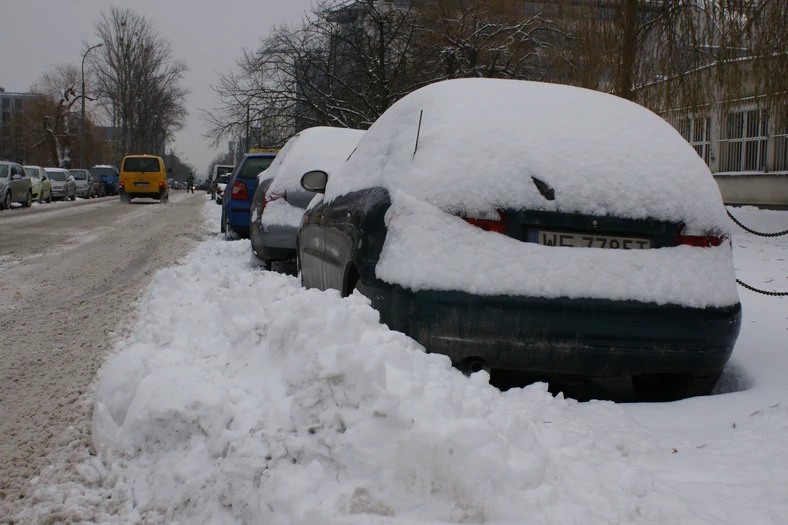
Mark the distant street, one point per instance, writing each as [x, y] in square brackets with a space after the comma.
[70, 275]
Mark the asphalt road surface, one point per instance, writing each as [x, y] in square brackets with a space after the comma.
[71, 275]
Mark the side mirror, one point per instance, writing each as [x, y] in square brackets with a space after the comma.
[169, 170]
[16, 176]
[314, 181]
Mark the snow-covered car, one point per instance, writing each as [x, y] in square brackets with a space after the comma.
[279, 202]
[536, 227]
[84, 183]
[221, 183]
[63, 184]
[14, 185]
[40, 184]
[218, 171]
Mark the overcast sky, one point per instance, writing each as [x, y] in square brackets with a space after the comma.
[207, 34]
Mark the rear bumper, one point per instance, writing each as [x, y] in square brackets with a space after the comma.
[562, 336]
[144, 194]
[277, 243]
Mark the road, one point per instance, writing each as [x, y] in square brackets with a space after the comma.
[70, 277]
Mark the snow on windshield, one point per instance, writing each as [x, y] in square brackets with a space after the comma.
[482, 141]
[319, 148]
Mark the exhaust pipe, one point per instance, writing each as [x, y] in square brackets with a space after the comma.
[471, 365]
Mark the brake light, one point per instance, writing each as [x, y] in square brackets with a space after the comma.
[161, 184]
[689, 236]
[219, 191]
[122, 184]
[488, 220]
[239, 191]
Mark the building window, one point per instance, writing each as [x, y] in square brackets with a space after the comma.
[780, 144]
[743, 145]
[696, 131]
[6, 103]
[19, 104]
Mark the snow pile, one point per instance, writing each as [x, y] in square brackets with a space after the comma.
[481, 141]
[281, 213]
[426, 248]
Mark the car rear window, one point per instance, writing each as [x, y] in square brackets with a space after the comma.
[223, 179]
[103, 172]
[57, 175]
[224, 170]
[141, 164]
[253, 166]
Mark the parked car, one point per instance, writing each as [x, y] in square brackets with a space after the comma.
[237, 200]
[221, 183]
[279, 201]
[63, 184]
[99, 189]
[14, 185]
[84, 183]
[542, 228]
[111, 177]
[39, 183]
[218, 171]
[144, 176]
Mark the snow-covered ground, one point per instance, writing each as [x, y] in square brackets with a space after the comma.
[242, 399]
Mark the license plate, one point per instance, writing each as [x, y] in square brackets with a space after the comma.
[141, 184]
[589, 240]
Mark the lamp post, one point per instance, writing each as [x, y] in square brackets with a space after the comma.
[82, 121]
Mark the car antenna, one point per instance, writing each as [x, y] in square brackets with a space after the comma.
[418, 132]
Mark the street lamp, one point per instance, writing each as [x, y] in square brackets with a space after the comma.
[82, 121]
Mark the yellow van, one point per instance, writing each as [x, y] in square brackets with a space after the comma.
[143, 176]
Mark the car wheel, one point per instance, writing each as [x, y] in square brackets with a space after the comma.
[351, 282]
[672, 387]
[74, 196]
[223, 225]
[6, 201]
[49, 197]
[28, 200]
[41, 197]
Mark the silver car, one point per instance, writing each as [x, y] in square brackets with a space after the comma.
[63, 184]
[84, 183]
[14, 185]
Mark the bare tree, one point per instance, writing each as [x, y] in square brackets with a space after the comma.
[138, 80]
[57, 87]
[344, 66]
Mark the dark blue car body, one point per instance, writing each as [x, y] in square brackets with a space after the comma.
[111, 177]
[236, 203]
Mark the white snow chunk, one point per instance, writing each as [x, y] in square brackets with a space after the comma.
[426, 248]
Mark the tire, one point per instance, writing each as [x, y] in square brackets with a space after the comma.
[74, 196]
[28, 200]
[6, 202]
[672, 387]
[351, 282]
[223, 226]
[49, 197]
[41, 197]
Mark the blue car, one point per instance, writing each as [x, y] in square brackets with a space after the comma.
[111, 177]
[238, 195]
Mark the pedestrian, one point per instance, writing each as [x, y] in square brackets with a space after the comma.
[190, 183]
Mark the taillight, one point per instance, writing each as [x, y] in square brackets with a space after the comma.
[161, 184]
[239, 191]
[122, 184]
[689, 236]
[219, 191]
[488, 220]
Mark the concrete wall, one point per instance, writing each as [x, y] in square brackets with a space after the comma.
[758, 190]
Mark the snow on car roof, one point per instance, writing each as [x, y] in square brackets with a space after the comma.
[482, 140]
[318, 148]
